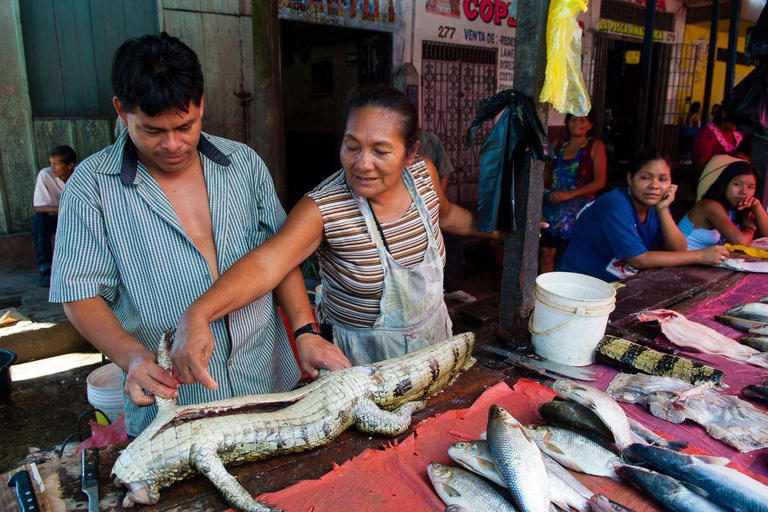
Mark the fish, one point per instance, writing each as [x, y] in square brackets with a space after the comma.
[693, 335]
[762, 331]
[602, 404]
[756, 311]
[728, 487]
[601, 503]
[742, 324]
[725, 417]
[670, 493]
[462, 488]
[757, 342]
[571, 415]
[575, 451]
[565, 490]
[519, 460]
[756, 392]
[624, 354]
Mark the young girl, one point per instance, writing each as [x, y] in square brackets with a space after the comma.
[728, 210]
[616, 235]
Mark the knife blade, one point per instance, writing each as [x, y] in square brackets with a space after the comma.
[560, 369]
[89, 480]
[25, 493]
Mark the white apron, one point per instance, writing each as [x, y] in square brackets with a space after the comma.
[412, 312]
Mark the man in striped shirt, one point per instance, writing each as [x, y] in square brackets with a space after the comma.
[148, 224]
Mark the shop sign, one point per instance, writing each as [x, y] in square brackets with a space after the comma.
[444, 7]
[628, 29]
[339, 12]
[491, 11]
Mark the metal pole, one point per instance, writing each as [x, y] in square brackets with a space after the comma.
[646, 59]
[733, 39]
[711, 55]
[521, 247]
[268, 92]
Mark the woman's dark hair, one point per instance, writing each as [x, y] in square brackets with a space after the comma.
[66, 153]
[590, 116]
[388, 98]
[719, 187]
[157, 74]
[695, 107]
[745, 146]
[645, 157]
[719, 116]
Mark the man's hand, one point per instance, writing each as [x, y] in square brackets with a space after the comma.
[316, 353]
[713, 255]
[666, 199]
[192, 349]
[145, 374]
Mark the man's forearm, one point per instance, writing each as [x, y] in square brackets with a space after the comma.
[98, 324]
[46, 209]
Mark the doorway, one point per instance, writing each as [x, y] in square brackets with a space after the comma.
[320, 65]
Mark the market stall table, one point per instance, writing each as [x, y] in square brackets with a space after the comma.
[670, 288]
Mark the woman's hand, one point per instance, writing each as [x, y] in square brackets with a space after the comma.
[316, 353]
[192, 349]
[713, 255]
[559, 196]
[667, 198]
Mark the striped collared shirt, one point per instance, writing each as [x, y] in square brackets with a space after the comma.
[119, 238]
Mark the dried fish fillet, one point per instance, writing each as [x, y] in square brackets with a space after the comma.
[725, 417]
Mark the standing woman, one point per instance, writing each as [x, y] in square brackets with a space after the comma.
[630, 228]
[376, 225]
[728, 211]
[573, 180]
[715, 138]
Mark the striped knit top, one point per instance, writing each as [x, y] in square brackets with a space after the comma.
[350, 268]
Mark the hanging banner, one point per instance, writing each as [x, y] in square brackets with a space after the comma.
[444, 7]
[369, 14]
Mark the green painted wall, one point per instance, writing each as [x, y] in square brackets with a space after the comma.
[17, 157]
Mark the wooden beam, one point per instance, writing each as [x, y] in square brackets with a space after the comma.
[521, 247]
[268, 92]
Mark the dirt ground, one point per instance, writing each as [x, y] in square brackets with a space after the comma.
[42, 412]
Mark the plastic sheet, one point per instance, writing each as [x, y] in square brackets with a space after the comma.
[748, 104]
[564, 84]
[518, 130]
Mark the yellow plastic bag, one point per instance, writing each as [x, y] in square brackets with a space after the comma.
[564, 84]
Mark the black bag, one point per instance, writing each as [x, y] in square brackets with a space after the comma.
[747, 107]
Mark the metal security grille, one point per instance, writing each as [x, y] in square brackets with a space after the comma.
[621, 10]
[453, 78]
[670, 110]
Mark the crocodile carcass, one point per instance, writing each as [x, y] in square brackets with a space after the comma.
[377, 399]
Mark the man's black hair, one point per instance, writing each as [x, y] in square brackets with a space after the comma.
[157, 74]
[66, 153]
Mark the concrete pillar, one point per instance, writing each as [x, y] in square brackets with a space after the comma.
[17, 146]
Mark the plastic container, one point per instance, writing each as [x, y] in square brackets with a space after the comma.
[105, 392]
[569, 316]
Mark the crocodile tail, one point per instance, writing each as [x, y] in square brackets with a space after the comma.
[164, 360]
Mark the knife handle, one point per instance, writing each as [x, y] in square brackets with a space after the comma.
[25, 493]
[89, 467]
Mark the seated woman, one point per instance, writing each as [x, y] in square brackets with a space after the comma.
[728, 211]
[376, 225]
[573, 179]
[617, 235]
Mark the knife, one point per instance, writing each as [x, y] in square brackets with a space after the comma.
[89, 482]
[25, 494]
[550, 366]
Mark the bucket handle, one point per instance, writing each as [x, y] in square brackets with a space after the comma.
[576, 314]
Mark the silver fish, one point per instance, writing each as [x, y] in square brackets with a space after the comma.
[519, 460]
[565, 490]
[756, 311]
[575, 451]
[601, 404]
[456, 486]
[757, 342]
[764, 300]
[742, 324]
[672, 494]
[728, 487]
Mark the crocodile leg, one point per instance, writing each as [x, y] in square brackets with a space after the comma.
[207, 461]
[372, 420]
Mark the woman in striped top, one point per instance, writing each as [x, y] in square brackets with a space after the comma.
[376, 225]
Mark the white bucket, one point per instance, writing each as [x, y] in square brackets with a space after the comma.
[569, 316]
[105, 390]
